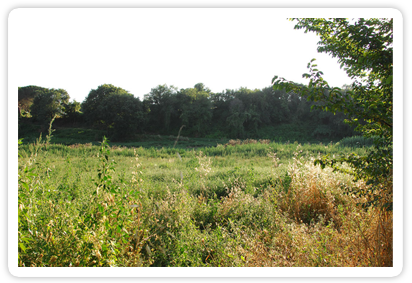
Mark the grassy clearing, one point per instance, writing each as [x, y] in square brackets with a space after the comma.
[249, 204]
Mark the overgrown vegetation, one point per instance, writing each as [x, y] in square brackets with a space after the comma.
[244, 203]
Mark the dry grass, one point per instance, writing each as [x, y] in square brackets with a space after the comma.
[326, 227]
[79, 145]
[246, 141]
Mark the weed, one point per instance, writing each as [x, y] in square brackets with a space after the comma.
[251, 204]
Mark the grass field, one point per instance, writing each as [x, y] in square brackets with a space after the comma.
[238, 203]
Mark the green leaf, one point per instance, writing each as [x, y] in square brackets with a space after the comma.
[27, 240]
[22, 247]
[104, 247]
[25, 185]
[389, 80]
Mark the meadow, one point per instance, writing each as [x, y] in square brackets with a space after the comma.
[239, 203]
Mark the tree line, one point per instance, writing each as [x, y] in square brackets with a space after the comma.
[240, 113]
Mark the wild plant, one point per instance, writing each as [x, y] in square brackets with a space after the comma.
[240, 213]
[166, 220]
[178, 135]
[136, 172]
[368, 237]
[248, 141]
[357, 141]
[327, 227]
[264, 141]
[103, 231]
[204, 169]
[275, 159]
[204, 165]
[113, 219]
[30, 197]
[24, 189]
[234, 142]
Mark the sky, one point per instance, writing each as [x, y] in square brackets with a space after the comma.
[139, 49]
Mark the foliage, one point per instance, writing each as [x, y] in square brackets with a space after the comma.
[357, 141]
[97, 230]
[364, 48]
[237, 113]
[90, 105]
[114, 110]
[162, 104]
[122, 115]
[238, 116]
[49, 103]
[240, 113]
[72, 111]
[196, 109]
[26, 96]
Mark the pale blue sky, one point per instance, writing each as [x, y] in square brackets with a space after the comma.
[138, 49]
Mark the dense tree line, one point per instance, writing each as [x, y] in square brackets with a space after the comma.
[241, 113]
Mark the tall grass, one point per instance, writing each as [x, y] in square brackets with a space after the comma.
[252, 204]
[356, 141]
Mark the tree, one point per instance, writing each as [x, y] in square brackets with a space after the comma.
[238, 116]
[95, 97]
[364, 48]
[26, 97]
[278, 101]
[49, 103]
[115, 110]
[251, 100]
[162, 105]
[220, 105]
[196, 108]
[72, 111]
[122, 115]
[202, 87]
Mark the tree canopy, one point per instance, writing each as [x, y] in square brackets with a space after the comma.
[233, 113]
[90, 106]
[26, 96]
[48, 103]
[364, 48]
[113, 109]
